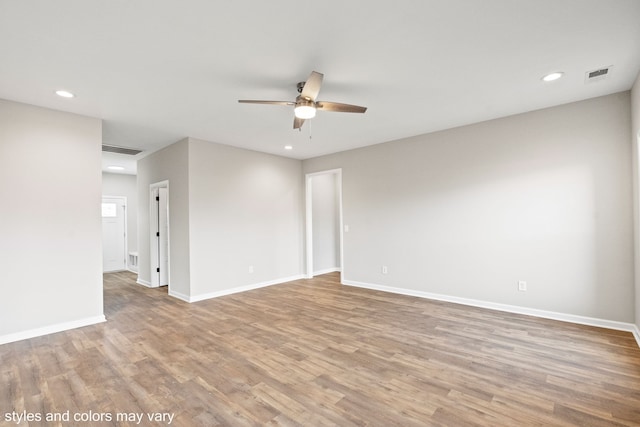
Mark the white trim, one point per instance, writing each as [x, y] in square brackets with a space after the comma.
[51, 329]
[209, 295]
[340, 218]
[153, 243]
[326, 270]
[571, 318]
[309, 226]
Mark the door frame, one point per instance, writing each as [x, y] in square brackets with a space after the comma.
[123, 199]
[309, 218]
[154, 253]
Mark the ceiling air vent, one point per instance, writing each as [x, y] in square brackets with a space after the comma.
[121, 150]
[597, 75]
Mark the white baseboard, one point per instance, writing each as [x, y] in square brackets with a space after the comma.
[571, 318]
[143, 283]
[636, 334]
[326, 271]
[179, 295]
[51, 329]
[209, 295]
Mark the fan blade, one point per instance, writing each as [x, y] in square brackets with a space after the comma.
[341, 108]
[297, 122]
[311, 87]
[252, 101]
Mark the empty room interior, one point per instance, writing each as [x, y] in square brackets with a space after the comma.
[412, 213]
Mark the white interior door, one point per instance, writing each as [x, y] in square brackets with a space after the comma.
[114, 240]
[163, 238]
[159, 244]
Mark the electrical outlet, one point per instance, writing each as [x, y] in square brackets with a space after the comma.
[385, 270]
[522, 285]
[251, 269]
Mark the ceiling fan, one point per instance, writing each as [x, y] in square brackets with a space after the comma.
[306, 104]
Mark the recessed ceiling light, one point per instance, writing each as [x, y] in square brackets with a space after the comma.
[64, 94]
[552, 76]
[115, 168]
[288, 147]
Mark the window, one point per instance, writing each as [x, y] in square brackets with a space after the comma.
[109, 210]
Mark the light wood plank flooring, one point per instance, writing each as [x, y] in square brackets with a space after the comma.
[314, 353]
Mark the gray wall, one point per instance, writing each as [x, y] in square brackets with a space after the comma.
[117, 184]
[245, 210]
[50, 226]
[635, 138]
[229, 209]
[170, 164]
[544, 197]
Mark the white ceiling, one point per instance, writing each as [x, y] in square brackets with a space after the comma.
[157, 71]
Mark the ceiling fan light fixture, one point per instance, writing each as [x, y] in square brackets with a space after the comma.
[305, 109]
[305, 105]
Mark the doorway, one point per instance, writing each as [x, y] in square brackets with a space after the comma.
[159, 232]
[114, 234]
[324, 222]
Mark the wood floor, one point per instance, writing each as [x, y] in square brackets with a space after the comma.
[314, 353]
